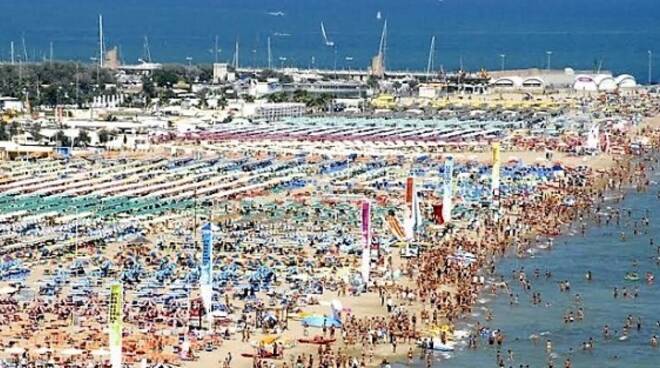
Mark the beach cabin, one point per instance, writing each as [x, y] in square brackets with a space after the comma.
[625, 81]
[533, 83]
[605, 83]
[507, 83]
[585, 83]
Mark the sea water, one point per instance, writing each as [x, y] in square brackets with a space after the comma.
[601, 251]
[584, 34]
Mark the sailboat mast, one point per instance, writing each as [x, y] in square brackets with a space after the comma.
[147, 50]
[429, 64]
[101, 48]
[236, 54]
[11, 46]
[25, 53]
[215, 49]
[383, 44]
[270, 55]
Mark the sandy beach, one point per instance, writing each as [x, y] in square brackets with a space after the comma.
[288, 235]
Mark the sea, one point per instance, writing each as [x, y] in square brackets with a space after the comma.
[614, 35]
[601, 251]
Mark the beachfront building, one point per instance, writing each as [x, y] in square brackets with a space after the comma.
[143, 68]
[603, 82]
[273, 111]
[510, 83]
[221, 73]
[264, 88]
[626, 81]
[11, 104]
[430, 90]
[337, 88]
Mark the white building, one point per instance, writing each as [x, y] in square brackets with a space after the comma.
[606, 83]
[275, 111]
[516, 82]
[11, 103]
[429, 90]
[626, 81]
[221, 73]
[603, 82]
[259, 89]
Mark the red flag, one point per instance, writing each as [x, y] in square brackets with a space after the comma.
[409, 190]
[437, 214]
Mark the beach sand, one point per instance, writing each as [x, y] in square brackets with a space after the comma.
[364, 305]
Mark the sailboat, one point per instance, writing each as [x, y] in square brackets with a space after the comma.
[379, 16]
[325, 37]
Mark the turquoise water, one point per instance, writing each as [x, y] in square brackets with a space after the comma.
[601, 251]
[580, 33]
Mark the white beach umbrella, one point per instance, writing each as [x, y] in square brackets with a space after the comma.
[71, 351]
[42, 351]
[7, 290]
[101, 352]
[15, 350]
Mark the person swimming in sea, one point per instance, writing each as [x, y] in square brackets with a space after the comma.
[606, 332]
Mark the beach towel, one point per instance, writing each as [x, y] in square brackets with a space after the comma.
[395, 227]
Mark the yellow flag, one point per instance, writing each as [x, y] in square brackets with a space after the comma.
[496, 153]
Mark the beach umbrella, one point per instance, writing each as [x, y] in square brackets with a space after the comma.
[269, 339]
[42, 351]
[7, 290]
[15, 350]
[71, 351]
[101, 352]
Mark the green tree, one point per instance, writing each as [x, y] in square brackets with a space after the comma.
[205, 73]
[63, 140]
[13, 129]
[372, 82]
[222, 102]
[320, 102]
[167, 76]
[301, 95]
[278, 97]
[104, 136]
[83, 138]
[3, 131]
[35, 129]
